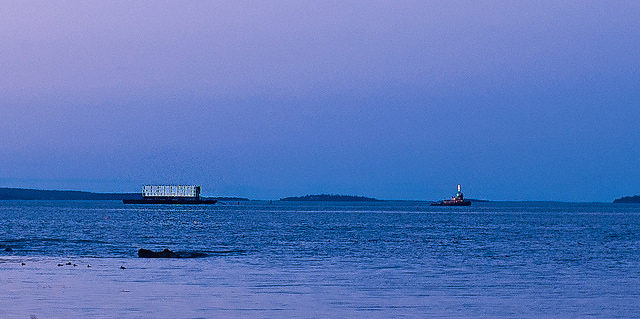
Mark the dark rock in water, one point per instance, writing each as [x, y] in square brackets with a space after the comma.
[8, 249]
[123, 267]
[68, 263]
[146, 253]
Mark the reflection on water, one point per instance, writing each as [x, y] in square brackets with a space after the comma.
[321, 260]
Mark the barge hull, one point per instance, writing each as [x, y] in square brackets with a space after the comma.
[170, 201]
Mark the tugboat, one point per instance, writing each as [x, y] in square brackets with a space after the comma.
[457, 200]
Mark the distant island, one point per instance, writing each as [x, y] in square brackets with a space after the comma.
[628, 200]
[41, 194]
[38, 194]
[230, 199]
[329, 198]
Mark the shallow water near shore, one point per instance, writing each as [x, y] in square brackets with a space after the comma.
[388, 259]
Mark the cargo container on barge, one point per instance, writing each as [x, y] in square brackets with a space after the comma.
[170, 194]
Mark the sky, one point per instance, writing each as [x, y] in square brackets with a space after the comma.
[515, 100]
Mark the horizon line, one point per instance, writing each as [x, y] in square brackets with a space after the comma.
[379, 199]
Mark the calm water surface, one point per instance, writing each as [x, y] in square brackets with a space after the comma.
[392, 259]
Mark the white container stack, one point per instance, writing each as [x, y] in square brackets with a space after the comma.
[171, 191]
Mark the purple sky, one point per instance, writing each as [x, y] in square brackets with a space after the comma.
[515, 100]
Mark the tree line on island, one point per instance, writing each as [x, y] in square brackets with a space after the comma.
[628, 200]
[329, 198]
[38, 194]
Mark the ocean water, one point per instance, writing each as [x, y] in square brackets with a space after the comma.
[318, 260]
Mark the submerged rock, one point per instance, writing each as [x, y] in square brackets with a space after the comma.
[146, 253]
[166, 253]
[8, 249]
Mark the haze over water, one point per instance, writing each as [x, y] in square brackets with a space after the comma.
[391, 259]
[516, 100]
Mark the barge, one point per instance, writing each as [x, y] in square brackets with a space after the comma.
[171, 194]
